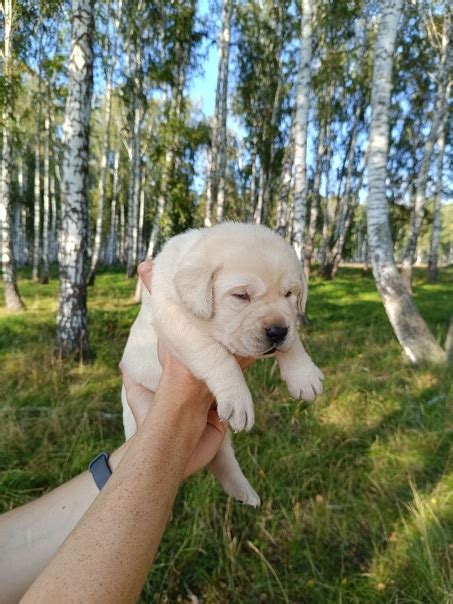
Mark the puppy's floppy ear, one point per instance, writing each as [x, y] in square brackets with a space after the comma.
[302, 297]
[195, 284]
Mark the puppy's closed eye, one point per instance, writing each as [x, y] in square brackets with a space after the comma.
[242, 296]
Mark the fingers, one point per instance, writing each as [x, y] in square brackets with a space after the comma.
[144, 271]
[208, 445]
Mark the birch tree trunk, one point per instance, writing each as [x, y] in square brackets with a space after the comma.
[315, 199]
[219, 133]
[437, 218]
[111, 61]
[113, 239]
[300, 129]
[259, 205]
[418, 210]
[53, 220]
[285, 186]
[46, 201]
[12, 298]
[410, 329]
[37, 191]
[72, 325]
[208, 210]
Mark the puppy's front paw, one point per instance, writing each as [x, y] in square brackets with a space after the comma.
[237, 410]
[305, 382]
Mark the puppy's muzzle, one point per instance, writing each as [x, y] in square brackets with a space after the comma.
[276, 334]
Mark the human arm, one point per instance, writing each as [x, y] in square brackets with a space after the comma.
[31, 534]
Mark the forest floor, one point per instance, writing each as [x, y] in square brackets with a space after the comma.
[356, 489]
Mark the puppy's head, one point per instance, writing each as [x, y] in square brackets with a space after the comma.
[247, 284]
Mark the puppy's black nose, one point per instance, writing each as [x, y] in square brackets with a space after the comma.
[276, 333]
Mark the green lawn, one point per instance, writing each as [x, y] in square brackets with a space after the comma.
[356, 489]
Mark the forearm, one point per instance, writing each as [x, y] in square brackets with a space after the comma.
[123, 527]
[31, 534]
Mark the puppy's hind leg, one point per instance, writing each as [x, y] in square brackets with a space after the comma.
[227, 470]
[130, 426]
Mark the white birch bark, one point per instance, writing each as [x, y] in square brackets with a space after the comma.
[315, 200]
[219, 126]
[300, 129]
[208, 210]
[12, 298]
[37, 191]
[111, 61]
[135, 145]
[437, 218]
[72, 326]
[410, 329]
[285, 186]
[253, 201]
[53, 220]
[46, 201]
[122, 242]
[113, 238]
[259, 204]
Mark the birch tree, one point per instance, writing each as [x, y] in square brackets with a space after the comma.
[46, 200]
[300, 129]
[217, 174]
[12, 297]
[37, 180]
[110, 59]
[410, 329]
[72, 325]
[437, 218]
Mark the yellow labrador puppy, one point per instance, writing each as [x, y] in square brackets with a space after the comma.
[231, 289]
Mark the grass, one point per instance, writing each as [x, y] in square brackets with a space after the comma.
[357, 489]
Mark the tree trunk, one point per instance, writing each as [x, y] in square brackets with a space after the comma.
[72, 326]
[418, 210]
[46, 201]
[259, 205]
[315, 199]
[325, 201]
[437, 217]
[252, 186]
[300, 130]
[53, 220]
[122, 242]
[134, 179]
[410, 329]
[111, 61]
[219, 126]
[37, 192]
[285, 186]
[113, 238]
[12, 298]
[208, 211]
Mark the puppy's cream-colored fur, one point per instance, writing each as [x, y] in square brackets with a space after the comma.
[218, 292]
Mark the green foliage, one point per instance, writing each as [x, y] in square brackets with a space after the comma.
[356, 488]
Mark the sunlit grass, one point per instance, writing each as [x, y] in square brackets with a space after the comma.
[356, 489]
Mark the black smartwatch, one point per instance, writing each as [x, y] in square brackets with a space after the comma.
[100, 469]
